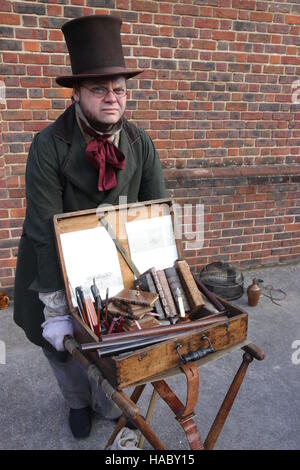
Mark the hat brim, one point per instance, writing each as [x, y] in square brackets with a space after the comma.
[69, 80]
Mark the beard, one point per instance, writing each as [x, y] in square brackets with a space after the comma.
[95, 123]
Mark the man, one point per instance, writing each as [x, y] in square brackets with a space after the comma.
[90, 155]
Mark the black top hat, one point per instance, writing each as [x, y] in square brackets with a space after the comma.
[95, 48]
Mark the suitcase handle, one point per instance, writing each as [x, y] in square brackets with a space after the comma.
[196, 355]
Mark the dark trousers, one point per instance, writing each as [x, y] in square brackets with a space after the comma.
[78, 390]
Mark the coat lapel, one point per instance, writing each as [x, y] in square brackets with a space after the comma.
[78, 170]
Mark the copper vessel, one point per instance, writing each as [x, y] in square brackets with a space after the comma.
[253, 293]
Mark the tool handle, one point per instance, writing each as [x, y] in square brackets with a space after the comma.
[97, 298]
[220, 307]
[81, 304]
[195, 356]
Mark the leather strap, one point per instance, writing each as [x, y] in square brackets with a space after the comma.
[192, 378]
[184, 413]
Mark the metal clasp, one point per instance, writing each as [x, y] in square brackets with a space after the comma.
[207, 338]
[179, 346]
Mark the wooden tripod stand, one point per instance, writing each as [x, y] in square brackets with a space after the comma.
[185, 414]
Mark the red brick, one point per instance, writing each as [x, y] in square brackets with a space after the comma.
[36, 58]
[5, 5]
[55, 36]
[251, 246]
[225, 13]
[245, 4]
[17, 212]
[32, 46]
[289, 19]
[292, 227]
[5, 254]
[165, 8]
[4, 234]
[143, 5]
[290, 60]
[9, 57]
[3, 213]
[145, 52]
[240, 256]
[167, 19]
[264, 17]
[5, 273]
[55, 10]
[223, 35]
[258, 58]
[8, 263]
[190, 10]
[36, 104]
[10, 19]
[207, 23]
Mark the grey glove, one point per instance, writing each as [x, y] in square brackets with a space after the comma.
[58, 322]
[126, 439]
[56, 328]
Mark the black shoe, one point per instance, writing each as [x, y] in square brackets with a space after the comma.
[80, 422]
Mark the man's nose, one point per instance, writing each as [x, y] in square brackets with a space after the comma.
[110, 96]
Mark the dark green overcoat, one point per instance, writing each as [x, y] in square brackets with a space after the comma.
[60, 179]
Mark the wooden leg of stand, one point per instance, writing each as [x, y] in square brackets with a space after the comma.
[148, 433]
[149, 415]
[226, 406]
[123, 419]
[251, 352]
[255, 351]
[139, 422]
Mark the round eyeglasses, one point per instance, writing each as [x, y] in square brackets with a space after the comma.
[101, 91]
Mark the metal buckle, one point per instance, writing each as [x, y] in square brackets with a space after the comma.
[184, 419]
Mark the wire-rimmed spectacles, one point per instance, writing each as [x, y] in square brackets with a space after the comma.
[101, 91]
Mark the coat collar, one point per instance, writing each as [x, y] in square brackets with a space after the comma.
[64, 125]
[76, 167]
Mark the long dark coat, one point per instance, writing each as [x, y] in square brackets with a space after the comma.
[60, 179]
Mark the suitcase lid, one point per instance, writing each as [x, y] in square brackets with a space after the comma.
[117, 217]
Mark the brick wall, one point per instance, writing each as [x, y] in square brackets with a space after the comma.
[216, 98]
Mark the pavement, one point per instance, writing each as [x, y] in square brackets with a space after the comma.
[265, 415]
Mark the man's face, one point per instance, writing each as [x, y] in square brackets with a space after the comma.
[98, 102]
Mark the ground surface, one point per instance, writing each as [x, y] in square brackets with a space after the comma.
[265, 415]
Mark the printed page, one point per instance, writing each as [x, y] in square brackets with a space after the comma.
[91, 254]
[152, 243]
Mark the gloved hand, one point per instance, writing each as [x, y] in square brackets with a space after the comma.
[58, 322]
[56, 328]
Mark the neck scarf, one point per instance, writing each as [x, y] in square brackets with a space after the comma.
[102, 154]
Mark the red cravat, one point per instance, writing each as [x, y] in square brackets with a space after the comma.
[104, 156]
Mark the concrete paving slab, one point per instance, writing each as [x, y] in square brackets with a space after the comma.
[265, 415]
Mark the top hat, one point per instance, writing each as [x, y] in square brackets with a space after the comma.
[95, 48]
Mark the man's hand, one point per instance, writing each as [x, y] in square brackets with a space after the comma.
[56, 328]
[58, 322]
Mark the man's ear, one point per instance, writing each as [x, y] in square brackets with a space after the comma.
[76, 93]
